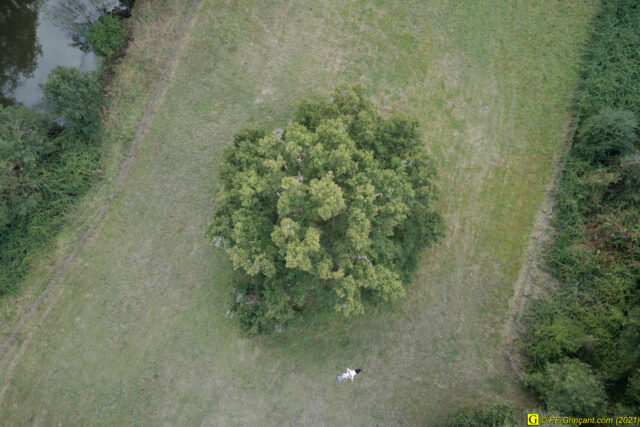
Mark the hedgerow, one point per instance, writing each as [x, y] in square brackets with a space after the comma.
[594, 316]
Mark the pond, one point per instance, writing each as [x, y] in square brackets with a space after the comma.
[31, 45]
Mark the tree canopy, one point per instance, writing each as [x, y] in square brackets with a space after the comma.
[329, 212]
[74, 97]
[569, 387]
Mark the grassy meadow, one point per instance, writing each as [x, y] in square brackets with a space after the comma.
[137, 331]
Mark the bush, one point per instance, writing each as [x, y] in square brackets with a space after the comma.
[65, 173]
[555, 334]
[610, 72]
[633, 390]
[23, 144]
[107, 35]
[630, 173]
[331, 211]
[45, 167]
[500, 414]
[606, 135]
[570, 388]
[75, 98]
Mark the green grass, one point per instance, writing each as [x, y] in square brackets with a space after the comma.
[138, 331]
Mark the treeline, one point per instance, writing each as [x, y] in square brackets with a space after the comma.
[48, 159]
[582, 343]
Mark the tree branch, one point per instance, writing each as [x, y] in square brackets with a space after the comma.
[359, 257]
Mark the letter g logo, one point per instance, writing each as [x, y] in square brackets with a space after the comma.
[532, 419]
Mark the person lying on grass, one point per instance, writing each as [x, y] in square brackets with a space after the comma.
[349, 374]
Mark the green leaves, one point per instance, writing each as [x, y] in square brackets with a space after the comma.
[42, 170]
[499, 414]
[606, 135]
[74, 97]
[106, 35]
[312, 215]
[570, 388]
[23, 144]
[326, 197]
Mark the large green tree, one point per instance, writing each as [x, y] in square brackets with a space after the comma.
[329, 212]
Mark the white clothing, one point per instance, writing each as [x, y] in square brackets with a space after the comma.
[351, 374]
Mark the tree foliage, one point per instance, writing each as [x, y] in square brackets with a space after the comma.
[106, 35]
[610, 71]
[74, 97]
[330, 211]
[77, 16]
[570, 388]
[44, 167]
[607, 135]
[23, 144]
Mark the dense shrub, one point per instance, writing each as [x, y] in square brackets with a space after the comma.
[630, 168]
[500, 414]
[75, 98]
[107, 35]
[569, 388]
[23, 145]
[331, 211]
[610, 72]
[45, 167]
[633, 390]
[66, 172]
[594, 315]
[606, 135]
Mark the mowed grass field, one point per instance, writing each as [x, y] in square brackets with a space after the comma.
[137, 331]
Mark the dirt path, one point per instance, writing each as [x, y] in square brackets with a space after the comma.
[46, 297]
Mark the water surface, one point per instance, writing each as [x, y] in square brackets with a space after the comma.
[31, 45]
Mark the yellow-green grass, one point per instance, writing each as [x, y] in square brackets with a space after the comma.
[138, 331]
